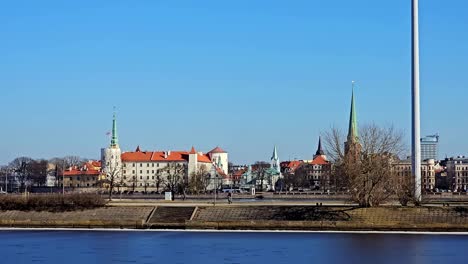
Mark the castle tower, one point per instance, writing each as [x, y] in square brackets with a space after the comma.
[111, 156]
[220, 158]
[192, 162]
[352, 145]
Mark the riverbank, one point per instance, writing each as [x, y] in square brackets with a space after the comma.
[249, 217]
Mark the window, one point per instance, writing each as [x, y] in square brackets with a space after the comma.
[153, 177]
[141, 164]
[147, 177]
[147, 172]
[133, 165]
[141, 177]
[158, 165]
[152, 171]
[125, 171]
[141, 171]
[152, 164]
[147, 164]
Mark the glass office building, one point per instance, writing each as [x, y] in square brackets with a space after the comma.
[430, 147]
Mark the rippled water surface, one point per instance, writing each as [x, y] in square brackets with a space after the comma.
[198, 247]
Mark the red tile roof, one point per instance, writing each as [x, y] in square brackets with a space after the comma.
[77, 172]
[160, 156]
[192, 151]
[217, 150]
[319, 160]
[91, 168]
[291, 165]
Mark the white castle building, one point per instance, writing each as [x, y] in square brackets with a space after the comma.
[142, 169]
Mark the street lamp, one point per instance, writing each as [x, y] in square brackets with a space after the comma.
[215, 177]
[416, 124]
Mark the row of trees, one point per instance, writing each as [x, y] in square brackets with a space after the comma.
[29, 172]
[172, 178]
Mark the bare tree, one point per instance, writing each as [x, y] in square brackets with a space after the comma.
[71, 161]
[199, 180]
[260, 171]
[38, 171]
[369, 176]
[174, 174]
[113, 178]
[22, 169]
[158, 180]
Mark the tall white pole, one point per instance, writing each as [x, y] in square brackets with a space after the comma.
[416, 143]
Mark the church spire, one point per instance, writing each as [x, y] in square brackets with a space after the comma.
[320, 151]
[353, 130]
[115, 139]
[275, 163]
[275, 154]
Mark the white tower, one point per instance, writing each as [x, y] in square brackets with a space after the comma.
[192, 162]
[220, 158]
[111, 156]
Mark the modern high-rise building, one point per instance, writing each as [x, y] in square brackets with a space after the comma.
[430, 147]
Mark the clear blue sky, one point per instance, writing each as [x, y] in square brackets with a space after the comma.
[244, 74]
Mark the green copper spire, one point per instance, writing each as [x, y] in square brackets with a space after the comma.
[353, 130]
[275, 154]
[115, 139]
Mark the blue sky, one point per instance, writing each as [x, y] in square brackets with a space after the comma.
[244, 75]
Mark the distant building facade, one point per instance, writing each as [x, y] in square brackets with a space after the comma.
[430, 147]
[403, 168]
[84, 176]
[457, 172]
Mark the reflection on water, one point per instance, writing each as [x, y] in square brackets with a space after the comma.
[186, 247]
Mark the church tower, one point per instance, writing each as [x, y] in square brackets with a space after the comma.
[111, 156]
[320, 152]
[352, 145]
[275, 163]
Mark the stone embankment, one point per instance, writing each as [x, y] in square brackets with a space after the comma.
[254, 217]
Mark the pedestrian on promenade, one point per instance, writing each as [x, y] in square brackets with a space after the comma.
[229, 196]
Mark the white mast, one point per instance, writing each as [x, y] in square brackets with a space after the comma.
[416, 124]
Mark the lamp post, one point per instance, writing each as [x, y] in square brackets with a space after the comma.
[416, 124]
[215, 177]
[6, 181]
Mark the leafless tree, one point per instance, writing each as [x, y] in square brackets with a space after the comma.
[174, 174]
[71, 161]
[22, 169]
[158, 180]
[38, 171]
[260, 171]
[199, 180]
[369, 177]
[113, 178]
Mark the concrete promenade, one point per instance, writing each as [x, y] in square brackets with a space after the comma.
[259, 216]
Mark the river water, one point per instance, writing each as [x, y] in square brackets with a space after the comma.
[83, 247]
